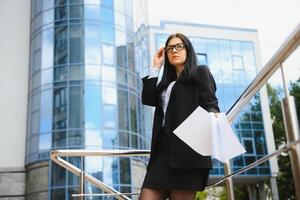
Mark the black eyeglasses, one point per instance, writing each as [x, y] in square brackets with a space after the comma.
[178, 47]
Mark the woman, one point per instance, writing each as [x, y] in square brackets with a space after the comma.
[175, 170]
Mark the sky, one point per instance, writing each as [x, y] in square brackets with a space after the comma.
[274, 19]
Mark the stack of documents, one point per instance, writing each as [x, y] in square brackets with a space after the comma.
[209, 135]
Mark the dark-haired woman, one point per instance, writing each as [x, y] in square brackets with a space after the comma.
[175, 170]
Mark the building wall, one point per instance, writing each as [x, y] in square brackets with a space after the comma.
[14, 51]
[84, 90]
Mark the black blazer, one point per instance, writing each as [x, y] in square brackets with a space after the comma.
[185, 97]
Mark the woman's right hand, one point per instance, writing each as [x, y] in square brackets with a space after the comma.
[159, 58]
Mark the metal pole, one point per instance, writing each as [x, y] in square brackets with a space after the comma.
[292, 133]
[81, 178]
[229, 184]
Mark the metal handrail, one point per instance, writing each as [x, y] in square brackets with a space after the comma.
[262, 77]
[56, 154]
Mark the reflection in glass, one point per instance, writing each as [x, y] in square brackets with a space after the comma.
[76, 107]
[58, 194]
[108, 73]
[76, 72]
[48, 4]
[36, 80]
[119, 19]
[92, 44]
[122, 76]
[134, 140]
[249, 60]
[47, 76]
[34, 144]
[109, 95]
[61, 45]
[59, 139]
[76, 11]
[93, 138]
[122, 56]
[48, 16]
[133, 111]
[123, 139]
[72, 178]
[125, 176]
[58, 175]
[47, 48]
[110, 140]
[45, 141]
[108, 170]
[202, 59]
[61, 13]
[76, 138]
[260, 143]
[91, 11]
[46, 111]
[76, 44]
[92, 72]
[249, 146]
[109, 116]
[94, 166]
[92, 1]
[92, 106]
[123, 110]
[106, 14]
[108, 54]
[115, 171]
[237, 62]
[130, 57]
[72, 190]
[235, 47]
[225, 56]
[60, 73]
[60, 108]
[36, 59]
[107, 3]
[213, 54]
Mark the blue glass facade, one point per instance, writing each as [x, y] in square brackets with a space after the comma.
[233, 65]
[84, 89]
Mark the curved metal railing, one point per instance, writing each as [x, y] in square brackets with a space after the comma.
[262, 77]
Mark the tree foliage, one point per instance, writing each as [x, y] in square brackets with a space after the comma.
[285, 181]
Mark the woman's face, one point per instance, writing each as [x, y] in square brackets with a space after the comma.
[176, 52]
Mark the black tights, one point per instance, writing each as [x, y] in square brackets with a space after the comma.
[153, 194]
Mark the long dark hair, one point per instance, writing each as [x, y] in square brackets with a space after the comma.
[189, 73]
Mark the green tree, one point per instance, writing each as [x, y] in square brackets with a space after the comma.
[285, 178]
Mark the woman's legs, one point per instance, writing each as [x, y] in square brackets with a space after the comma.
[182, 195]
[152, 194]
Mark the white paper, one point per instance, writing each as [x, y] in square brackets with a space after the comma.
[208, 135]
[196, 130]
[225, 143]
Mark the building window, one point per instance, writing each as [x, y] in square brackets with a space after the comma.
[202, 59]
[249, 144]
[237, 62]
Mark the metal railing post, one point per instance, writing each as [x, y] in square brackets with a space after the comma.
[229, 184]
[81, 178]
[292, 133]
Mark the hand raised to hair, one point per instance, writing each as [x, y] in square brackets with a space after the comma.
[159, 58]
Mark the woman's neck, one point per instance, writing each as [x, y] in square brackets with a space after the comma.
[179, 69]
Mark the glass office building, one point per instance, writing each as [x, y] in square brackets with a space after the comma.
[84, 89]
[233, 63]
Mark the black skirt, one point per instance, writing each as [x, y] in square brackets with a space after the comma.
[161, 176]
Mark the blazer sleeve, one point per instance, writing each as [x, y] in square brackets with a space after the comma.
[208, 90]
[149, 93]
